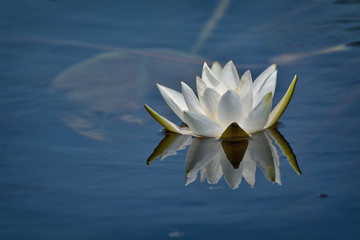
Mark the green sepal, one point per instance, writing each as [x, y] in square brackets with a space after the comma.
[234, 132]
[278, 111]
[168, 125]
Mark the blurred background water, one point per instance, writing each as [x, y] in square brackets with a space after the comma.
[75, 138]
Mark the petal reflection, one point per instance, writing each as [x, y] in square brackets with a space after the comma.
[261, 153]
[212, 158]
[285, 148]
[169, 145]
[201, 152]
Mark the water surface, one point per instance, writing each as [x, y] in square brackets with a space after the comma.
[74, 78]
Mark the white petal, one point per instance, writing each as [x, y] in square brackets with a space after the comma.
[200, 87]
[174, 99]
[262, 77]
[212, 81]
[230, 109]
[190, 98]
[208, 76]
[246, 77]
[201, 125]
[267, 87]
[221, 88]
[216, 69]
[230, 76]
[246, 92]
[257, 118]
[210, 102]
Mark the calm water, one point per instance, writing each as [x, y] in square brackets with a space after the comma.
[75, 138]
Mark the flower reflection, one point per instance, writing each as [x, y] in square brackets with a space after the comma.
[235, 160]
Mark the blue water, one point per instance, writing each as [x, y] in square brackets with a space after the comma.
[75, 138]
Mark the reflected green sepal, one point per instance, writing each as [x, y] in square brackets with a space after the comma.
[235, 151]
[285, 148]
[163, 145]
[278, 111]
[168, 125]
[271, 174]
[234, 132]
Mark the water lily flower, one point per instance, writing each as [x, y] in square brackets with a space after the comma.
[226, 106]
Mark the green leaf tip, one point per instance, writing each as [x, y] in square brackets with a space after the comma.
[168, 125]
[278, 111]
[234, 132]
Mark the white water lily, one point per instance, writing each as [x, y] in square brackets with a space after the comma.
[227, 106]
